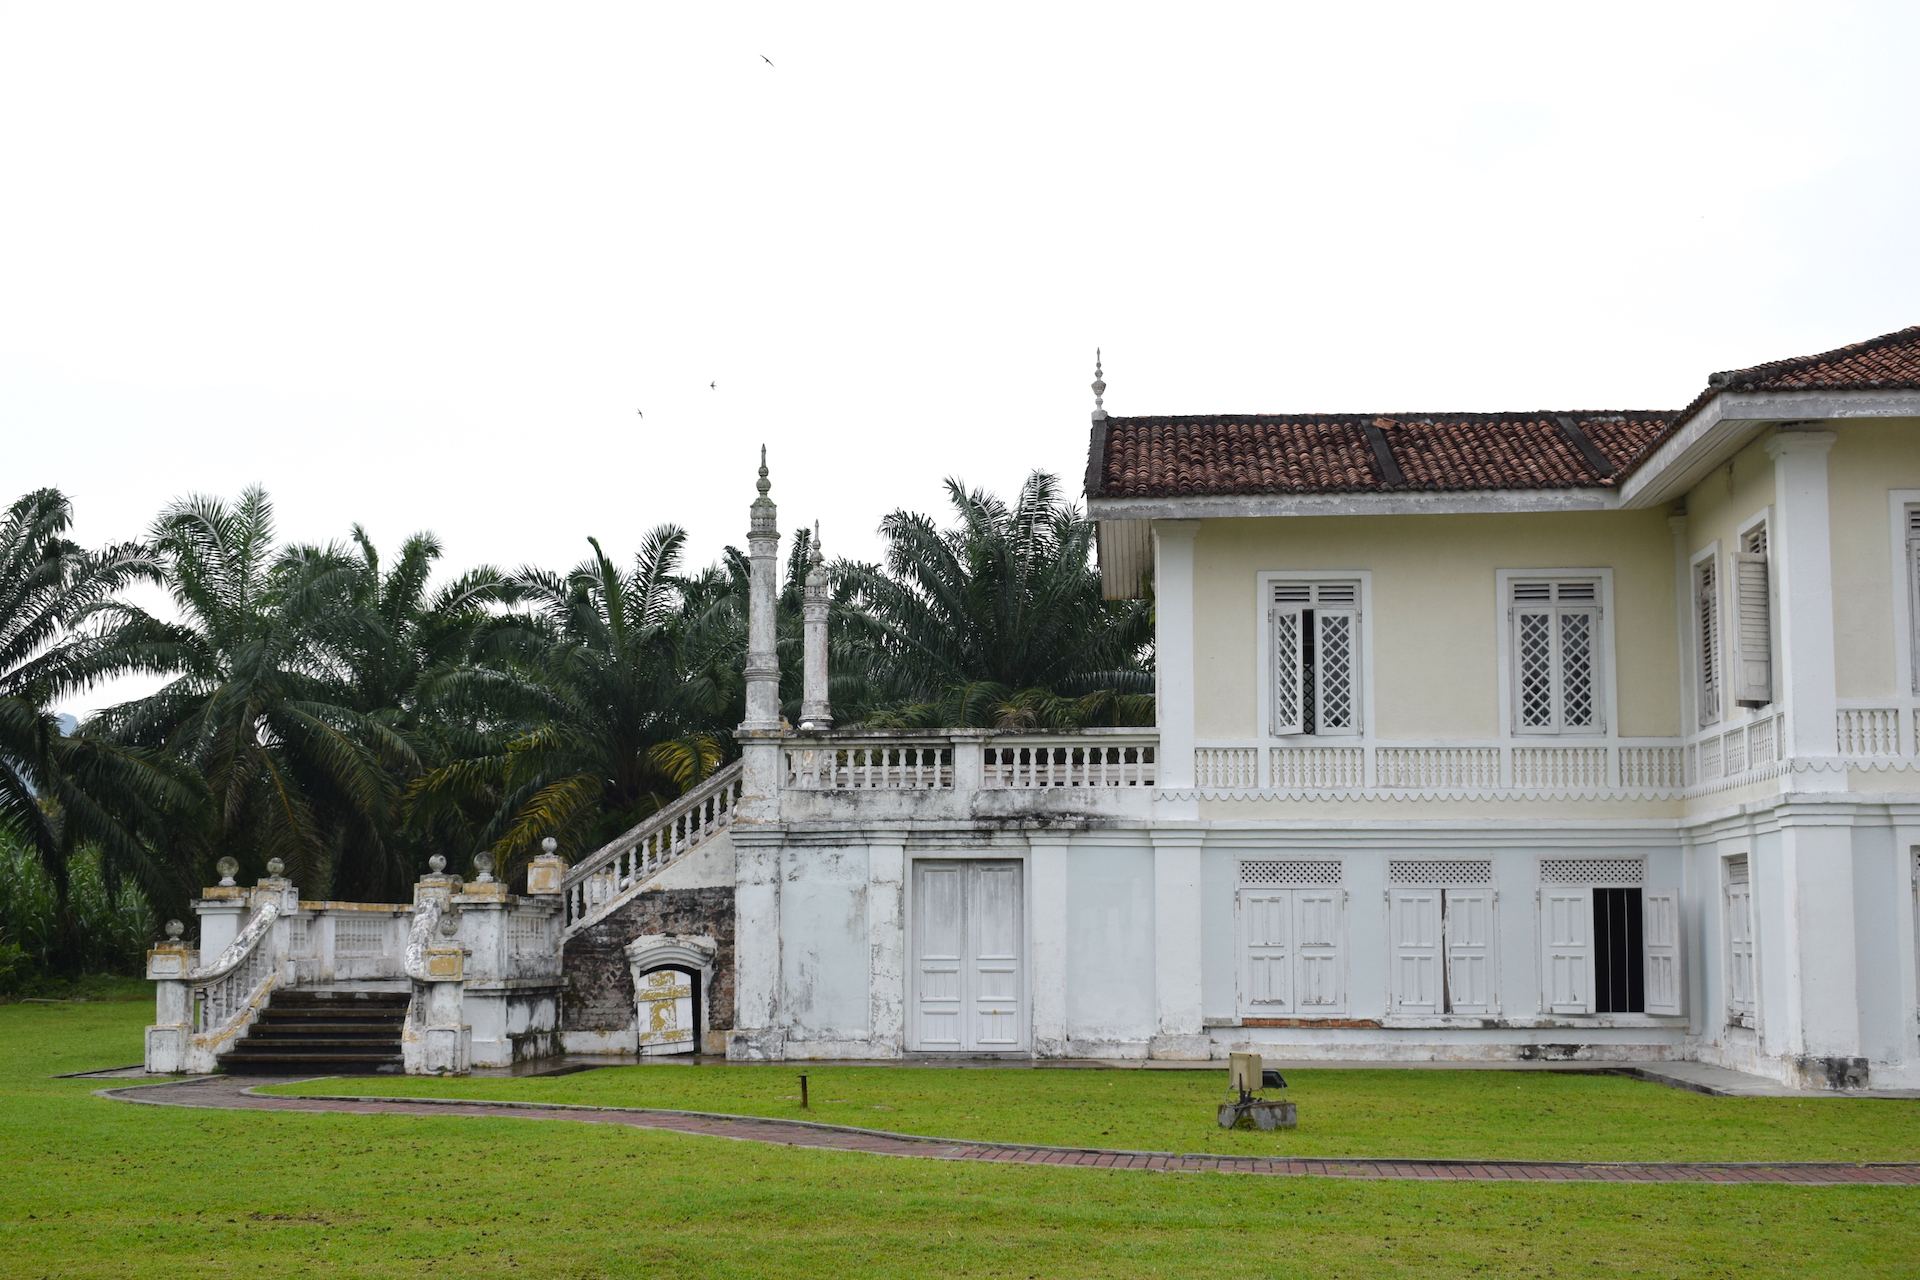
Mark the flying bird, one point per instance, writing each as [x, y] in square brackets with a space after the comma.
[713, 386]
[769, 61]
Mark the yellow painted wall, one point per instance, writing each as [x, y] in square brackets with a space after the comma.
[1435, 622]
[1868, 461]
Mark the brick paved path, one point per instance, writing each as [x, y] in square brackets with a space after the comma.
[235, 1093]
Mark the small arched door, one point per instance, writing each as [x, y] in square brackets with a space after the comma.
[669, 1011]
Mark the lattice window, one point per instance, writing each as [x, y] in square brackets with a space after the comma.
[1281, 874]
[1555, 627]
[1593, 870]
[1314, 628]
[1440, 871]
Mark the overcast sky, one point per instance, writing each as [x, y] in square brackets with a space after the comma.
[424, 267]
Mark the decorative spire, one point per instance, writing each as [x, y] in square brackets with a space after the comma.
[1099, 383]
[764, 485]
[814, 555]
[763, 509]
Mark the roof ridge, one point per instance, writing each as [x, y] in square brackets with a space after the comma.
[1355, 418]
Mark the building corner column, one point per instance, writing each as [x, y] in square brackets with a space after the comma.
[886, 948]
[1174, 680]
[756, 1035]
[1805, 556]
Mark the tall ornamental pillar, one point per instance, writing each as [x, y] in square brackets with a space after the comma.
[816, 707]
[763, 661]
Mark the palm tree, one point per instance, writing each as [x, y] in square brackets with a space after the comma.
[56, 790]
[998, 621]
[594, 712]
[260, 696]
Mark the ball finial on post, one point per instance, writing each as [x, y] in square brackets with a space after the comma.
[1099, 382]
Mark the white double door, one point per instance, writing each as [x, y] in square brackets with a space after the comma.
[970, 981]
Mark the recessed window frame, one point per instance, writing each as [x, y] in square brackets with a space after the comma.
[1605, 693]
[1265, 583]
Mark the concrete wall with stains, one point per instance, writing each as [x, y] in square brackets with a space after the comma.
[597, 1003]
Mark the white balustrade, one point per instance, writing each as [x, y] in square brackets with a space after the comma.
[837, 766]
[1066, 762]
[1869, 731]
[226, 991]
[1317, 768]
[1437, 768]
[616, 870]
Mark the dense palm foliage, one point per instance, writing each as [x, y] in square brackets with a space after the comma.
[998, 621]
[352, 717]
[58, 791]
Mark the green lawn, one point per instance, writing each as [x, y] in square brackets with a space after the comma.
[1537, 1115]
[90, 1187]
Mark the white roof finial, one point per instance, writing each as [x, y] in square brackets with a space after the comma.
[764, 484]
[1099, 383]
[813, 553]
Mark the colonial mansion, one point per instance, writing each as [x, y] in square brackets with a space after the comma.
[1581, 735]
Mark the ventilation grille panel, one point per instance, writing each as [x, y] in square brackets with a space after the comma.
[1592, 871]
[1285, 874]
[1439, 871]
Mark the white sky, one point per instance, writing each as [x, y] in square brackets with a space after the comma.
[419, 266]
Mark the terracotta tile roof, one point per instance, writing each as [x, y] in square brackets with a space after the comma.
[1332, 453]
[1278, 454]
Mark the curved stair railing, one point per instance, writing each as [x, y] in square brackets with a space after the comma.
[613, 873]
[231, 991]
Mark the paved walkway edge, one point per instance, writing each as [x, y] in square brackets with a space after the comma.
[239, 1094]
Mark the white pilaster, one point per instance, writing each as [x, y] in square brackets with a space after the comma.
[1805, 558]
[759, 733]
[1176, 946]
[756, 947]
[1173, 574]
[1047, 906]
[1823, 998]
[887, 948]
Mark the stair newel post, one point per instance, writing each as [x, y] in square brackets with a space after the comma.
[434, 1041]
[168, 964]
[276, 888]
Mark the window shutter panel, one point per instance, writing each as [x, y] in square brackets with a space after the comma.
[1752, 630]
[1660, 932]
[1739, 925]
[1706, 608]
[1289, 669]
[1579, 689]
[1414, 919]
[1335, 681]
[1266, 972]
[1533, 668]
[1913, 589]
[1469, 934]
[1566, 928]
[1317, 959]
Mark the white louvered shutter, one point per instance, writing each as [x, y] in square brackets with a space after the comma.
[1660, 934]
[1266, 966]
[1566, 929]
[1414, 920]
[1913, 589]
[1318, 966]
[1706, 607]
[1288, 625]
[1469, 937]
[1752, 630]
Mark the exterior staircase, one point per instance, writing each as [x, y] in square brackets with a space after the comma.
[612, 874]
[322, 1032]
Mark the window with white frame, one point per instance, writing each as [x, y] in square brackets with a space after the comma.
[1610, 943]
[1706, 635]
[1440, 921]
[1752, 662]
[1556, 636]
[1738, 902]
[1314, 638]
[1292, 925]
